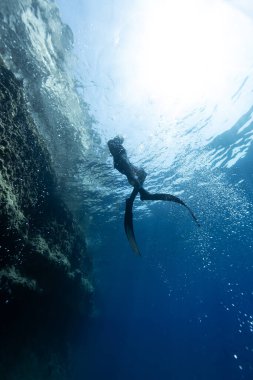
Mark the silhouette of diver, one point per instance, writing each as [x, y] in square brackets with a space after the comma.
[136, 177]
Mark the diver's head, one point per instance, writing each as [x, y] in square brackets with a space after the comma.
[119, 139]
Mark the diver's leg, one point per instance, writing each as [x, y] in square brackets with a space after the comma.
[141, 174]
[146, 196]
[128, 221]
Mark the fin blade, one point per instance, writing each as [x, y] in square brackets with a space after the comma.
[145, 195]
[128, 222]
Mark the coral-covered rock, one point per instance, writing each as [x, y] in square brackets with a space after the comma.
[44, 267]
[37, 47]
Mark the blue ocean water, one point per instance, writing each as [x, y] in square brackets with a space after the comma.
[174, 313]
[183, 310]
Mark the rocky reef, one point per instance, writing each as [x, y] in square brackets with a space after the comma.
[45, 290]
[46, 147]
[38, 48]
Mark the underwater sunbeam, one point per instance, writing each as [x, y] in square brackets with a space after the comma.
[187, 51]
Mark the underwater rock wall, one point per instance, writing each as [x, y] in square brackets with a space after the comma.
[46, 138]
[44, 267]
[37, 47]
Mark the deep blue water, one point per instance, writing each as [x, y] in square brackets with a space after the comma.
[181, 311]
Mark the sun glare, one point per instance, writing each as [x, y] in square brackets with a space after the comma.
[186, 50]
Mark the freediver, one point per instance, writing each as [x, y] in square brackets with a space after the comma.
[136, 177]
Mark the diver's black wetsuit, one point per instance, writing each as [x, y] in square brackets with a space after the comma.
[136, 177]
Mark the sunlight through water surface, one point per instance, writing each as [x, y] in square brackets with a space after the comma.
[158, 59]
